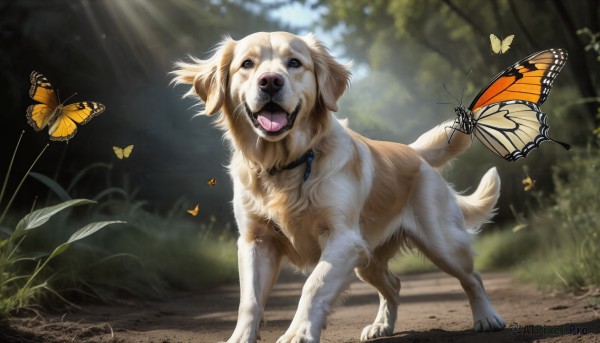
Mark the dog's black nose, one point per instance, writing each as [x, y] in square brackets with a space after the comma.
[270, 83]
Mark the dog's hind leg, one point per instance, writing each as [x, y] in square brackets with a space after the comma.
[441, 235]
[458, 262]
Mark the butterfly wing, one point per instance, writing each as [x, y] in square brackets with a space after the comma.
[529, 183]
[118, 151]
[194, 212]
[39, 115]
[127, 151]
[82, 112]
[61, 119]
[506, 42]
[495, 44]
[62, 129]
[529, 80]
[42, 91]
[512, 129]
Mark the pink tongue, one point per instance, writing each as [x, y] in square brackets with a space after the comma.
[272, 121]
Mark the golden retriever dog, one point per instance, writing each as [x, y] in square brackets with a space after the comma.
[312, 192]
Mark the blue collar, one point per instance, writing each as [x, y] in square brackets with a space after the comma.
[307, 158]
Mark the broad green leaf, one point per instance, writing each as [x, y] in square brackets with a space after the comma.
[80, 234]
[59, 250]
[53, 185]
[90, 229]
[41, 216]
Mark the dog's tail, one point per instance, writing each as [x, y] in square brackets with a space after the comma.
[435, 147]
[479, 207]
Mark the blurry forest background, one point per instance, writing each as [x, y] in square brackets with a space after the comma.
[119, 53]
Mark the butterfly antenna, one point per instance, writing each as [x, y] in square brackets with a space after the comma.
[452, 95]
[67, 98]
[462, 94]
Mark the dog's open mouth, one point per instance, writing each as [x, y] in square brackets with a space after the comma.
[272, 118]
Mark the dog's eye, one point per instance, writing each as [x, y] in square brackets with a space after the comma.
[294, 63]
[247, 64]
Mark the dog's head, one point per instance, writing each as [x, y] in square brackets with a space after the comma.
[276, 81]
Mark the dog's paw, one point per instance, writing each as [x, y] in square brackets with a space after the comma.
[492, 322]
[244, 336]
[375, 331]
[295, 338]
[242, 340]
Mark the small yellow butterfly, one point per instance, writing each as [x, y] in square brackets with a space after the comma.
[500, 46]
[123, 152]
[194, 212]
[59, 118]
[212, 182]
[529, 183]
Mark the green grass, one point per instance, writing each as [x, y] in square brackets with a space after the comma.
[502, 248]
[148, 257]
[22, 287]
[499, 249]
[567, 228]
[411, 262]
[24, 275]
[557, 246]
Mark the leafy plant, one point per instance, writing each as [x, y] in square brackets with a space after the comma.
[568, 231]
[22, 278]
[19, 288]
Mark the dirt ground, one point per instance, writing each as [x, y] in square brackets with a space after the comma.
[433, 309]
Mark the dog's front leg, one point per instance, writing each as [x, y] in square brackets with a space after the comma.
[331, 276]
[258, 263]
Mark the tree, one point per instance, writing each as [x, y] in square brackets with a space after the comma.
[433, 41]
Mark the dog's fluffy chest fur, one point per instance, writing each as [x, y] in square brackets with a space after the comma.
[289, 211]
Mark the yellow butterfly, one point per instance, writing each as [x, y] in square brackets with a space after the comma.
[529, 183]
[194, 212]
[123, 152]
[212, 182]
[59, 118]
[500, 46]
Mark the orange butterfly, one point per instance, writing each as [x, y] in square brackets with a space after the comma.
[505, 116]
[194, 212]
[59, 118]
[212, 182]
[529, 183]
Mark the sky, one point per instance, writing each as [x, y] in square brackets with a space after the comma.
[299, 15]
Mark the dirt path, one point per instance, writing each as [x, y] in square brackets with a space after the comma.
[433, 309]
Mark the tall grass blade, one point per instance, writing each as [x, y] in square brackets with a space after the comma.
[53, 185]
[21, 183]
[12, 159]
[41, 216]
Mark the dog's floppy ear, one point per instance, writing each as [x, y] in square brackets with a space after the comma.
[332, 76]
[208, 77]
